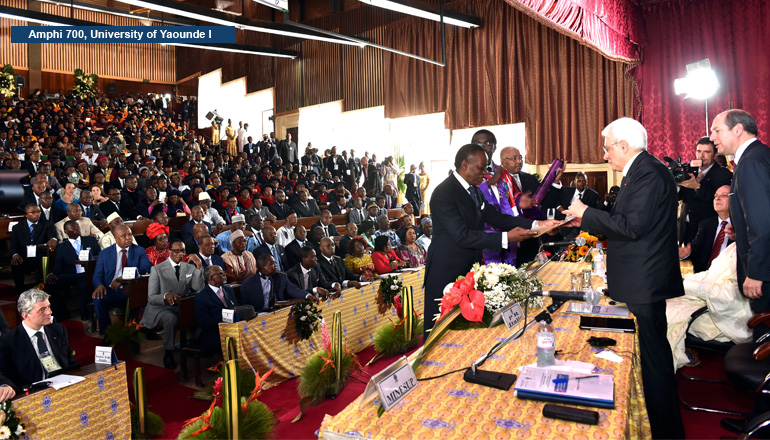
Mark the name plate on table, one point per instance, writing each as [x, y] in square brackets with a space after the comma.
[391, 384]
[105, 355]
[84, 255]
[129, 273]
[510, 314]
[228, 315]
[31, 251]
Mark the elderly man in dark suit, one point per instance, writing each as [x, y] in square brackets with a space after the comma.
[69, 270]
[334, 269]
[459, 213]
[109, 267]
[307, 276]
[196, 218]
[711, 238]
[329, 229]
[209, 303]
[268, 286]
[734, 132]
[35, 350]
[271, 247]
[31, 231]
[643, 268]
[169, 281]
[697, 193]
[305, 206]
[207, 253]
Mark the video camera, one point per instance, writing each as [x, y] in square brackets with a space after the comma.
[682, 171]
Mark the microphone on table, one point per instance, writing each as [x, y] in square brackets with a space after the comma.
[590, 297]
[578, 241]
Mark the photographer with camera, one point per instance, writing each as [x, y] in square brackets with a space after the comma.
[697, 192]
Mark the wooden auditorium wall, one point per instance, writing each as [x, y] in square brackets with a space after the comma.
[13, 54]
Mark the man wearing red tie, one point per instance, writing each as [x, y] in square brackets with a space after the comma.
[710, 240]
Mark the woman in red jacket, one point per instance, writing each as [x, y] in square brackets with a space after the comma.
[385, 259]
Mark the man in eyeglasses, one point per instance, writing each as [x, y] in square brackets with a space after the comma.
[30, 238]
[169, 281]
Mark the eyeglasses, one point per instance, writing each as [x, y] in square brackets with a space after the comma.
[486, 144]
[721, 196]
[605, 148]
[176, 251]
[513, 158]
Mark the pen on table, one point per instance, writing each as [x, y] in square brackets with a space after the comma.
[565, 379]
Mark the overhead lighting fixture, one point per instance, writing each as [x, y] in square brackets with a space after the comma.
[216, 17]
[426, 11]
[281, 5]
[55, 20]
[119, 12]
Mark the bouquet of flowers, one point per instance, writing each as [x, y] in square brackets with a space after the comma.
[306, 317]
[583, 253]
[7, 83]
[84, 84]
[10, 425]
[390, 287]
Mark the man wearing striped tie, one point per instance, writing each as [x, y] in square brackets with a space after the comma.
[710, 240]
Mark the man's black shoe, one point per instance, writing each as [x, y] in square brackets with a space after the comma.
[733, 425]
[168, 360]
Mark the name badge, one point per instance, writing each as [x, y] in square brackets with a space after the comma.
[79, 269]
[50, 364]
[162, 196]
[84, 255]
[391, 384]
[31, 251]
[129, 273]
[228, 315]
[105, 355]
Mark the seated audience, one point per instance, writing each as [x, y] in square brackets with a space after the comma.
[35, 350]
[196, 217]
[237, 224]
[269, 286]
[206, 253]
[385, 230]
[407, 223]
[286, 232]
[87, 228]
[158, 251]
[91, 210]
[292, 249]
[350, 231]
[280, 209]
[307, 276]
[333, 268]
[192, 242]
[358, 261]
[410, 251]
[209, 303]
[271, 247]
[427, 232]
[113, 221]
[325, 222]
[69, 270]
[239, 263]
[32, 231]
[384, 257]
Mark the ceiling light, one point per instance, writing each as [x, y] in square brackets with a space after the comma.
[238, 48]
[119, 12]
[429, 12]
[31, 16]
[216, 17]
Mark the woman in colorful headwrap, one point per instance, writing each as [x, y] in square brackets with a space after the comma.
[158, 235]
[239, 263]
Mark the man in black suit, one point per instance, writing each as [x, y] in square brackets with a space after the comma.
[32, 231]
[643, 270]
[69, 270]
[391, 198]
[305, 206]
[192, 243]
[697, 193]
[276, 284]
[209, 303]
[249, 147]
[581, 192]
[49, 212]
[91, 210]
[280, 208]
[412, 193]
[35, 350]
[372, 180]
[207, 253]
[333, 268]
[459, 213]
[272, 248]
[329, 229]
[292, 249]
[307, 276]
[196, 217]
[115, 203]
[711, 238]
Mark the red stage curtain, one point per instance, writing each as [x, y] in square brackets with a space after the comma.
[734, 35]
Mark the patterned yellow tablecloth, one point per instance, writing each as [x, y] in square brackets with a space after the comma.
[271, 341]
[449, 407]
[96, 408]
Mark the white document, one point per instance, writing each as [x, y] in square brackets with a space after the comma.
[63, 381]
[162, 196]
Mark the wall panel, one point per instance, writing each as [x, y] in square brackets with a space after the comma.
[13, 54]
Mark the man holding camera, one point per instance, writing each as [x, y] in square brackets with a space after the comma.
[697, 192]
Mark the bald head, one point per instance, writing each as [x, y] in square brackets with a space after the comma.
[510, 157]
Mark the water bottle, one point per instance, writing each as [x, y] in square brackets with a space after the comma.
[598, 260]
[546, 344]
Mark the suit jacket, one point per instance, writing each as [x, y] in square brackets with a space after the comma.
[590, 197]
[283, 290]
[108, 257]
[187, 230]
[67, 258]
[703, 243]
[641, 228]
[459, 237]
[330, 228]
[356, 217]
[191, 247]
[335, 209]
[311, 211]
[292, 252]
[316, 278]
[19, 361]
[215, 260]
[127, 210]
[699, 203]
[87, 228]
[412, 182]
[20, 237]
[749, 211]
[208, 313]
[4, 328]
[289, 151]
[54, 215]
[94, 212]
[336, 271]
[280, 210]
[393, 200]
[264, 249]
[162, 281]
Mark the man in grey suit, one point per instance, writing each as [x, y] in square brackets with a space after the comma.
[169, 281]
[288, 151]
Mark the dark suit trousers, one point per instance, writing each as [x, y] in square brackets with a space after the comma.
[658, 371]
[18, 271]
[63, 283]
[102, 307]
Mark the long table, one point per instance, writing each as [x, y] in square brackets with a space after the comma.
[271, 341]
[96, 408]
[449, 407]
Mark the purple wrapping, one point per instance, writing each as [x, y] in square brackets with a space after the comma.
[545, 184]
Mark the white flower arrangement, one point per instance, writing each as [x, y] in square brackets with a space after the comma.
[502, 283]
[7, 81]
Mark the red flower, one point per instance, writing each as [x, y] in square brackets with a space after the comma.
[463, 292]
[399, 307]
[472, 306]
[218, 392]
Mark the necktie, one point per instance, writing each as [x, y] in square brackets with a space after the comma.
[123, 259]
[718, 242]
[221, 296]
[474, 196]
[87, 211]
[580, 197]
[208, 261]
[42, 349]
[32, 231]
[305, 205]
[307, 280]
[176, 269]
[76, 244]
[275, 255]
